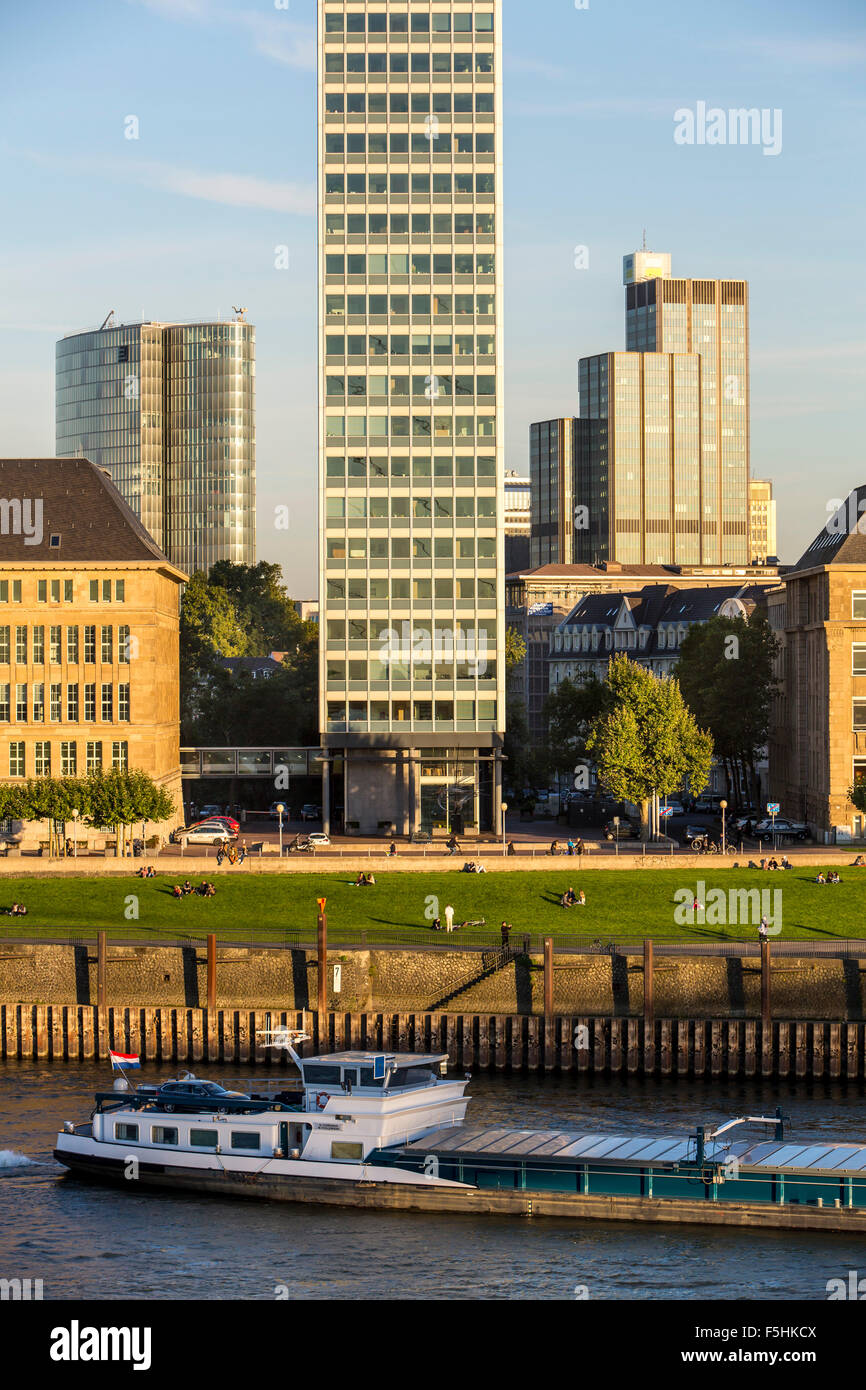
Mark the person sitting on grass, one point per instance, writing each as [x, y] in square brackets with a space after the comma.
[187, 888]
[859, 862]
[359, 881]
[820, 878]
[568, 899]
[833, 877]
[581, 899]
[177, 891]
[369, 881]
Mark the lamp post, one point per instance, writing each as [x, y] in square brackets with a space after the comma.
[723, 806]
[504, 834]
[280, 809]
[75, 832]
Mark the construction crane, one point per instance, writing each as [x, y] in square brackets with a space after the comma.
[240, 313]
[107, 321]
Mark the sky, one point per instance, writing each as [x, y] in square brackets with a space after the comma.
[184, 222]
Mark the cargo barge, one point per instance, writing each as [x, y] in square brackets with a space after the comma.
[387, 1131]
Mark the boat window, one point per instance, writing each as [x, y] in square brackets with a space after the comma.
[203, 1138]
[322, 1076]
[350, 1075]
[246, 1139]
[367, 1078]
[122, 1131]
[163, 1134]
[411, 1076]
[339, 1150]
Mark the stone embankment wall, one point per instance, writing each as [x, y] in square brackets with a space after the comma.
[450, 981]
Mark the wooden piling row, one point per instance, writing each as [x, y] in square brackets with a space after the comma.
[713, 1048]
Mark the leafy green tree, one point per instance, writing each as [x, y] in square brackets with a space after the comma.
[571, 712]
[515, 648]
[727, 676]
[647, 742]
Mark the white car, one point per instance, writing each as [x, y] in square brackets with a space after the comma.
[319, 838]
[208, 833]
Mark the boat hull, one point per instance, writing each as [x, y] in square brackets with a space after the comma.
[408, 1196]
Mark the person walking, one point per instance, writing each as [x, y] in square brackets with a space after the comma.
[506, 932]
[449, 918]
[579, 846]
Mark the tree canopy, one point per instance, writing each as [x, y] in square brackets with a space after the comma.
[646, 741]
[726, 674]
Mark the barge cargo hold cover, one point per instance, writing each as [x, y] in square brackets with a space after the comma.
[675, 1167]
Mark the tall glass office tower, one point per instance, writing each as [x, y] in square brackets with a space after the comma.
[169, 410]
[410, 442]
[709, 318]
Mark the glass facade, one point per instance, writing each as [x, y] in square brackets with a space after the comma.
[169, 410]
[411, 448]
[709, 318]
[551, 475]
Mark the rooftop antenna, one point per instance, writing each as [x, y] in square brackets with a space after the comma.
[644, 247]
[108, 321]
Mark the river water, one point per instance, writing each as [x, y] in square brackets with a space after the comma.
[100, 1243]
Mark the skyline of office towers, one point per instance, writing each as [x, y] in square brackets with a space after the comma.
[410, 412]
[169, 410]
[762, 521]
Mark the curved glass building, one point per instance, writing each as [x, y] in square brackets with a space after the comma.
[169, 410]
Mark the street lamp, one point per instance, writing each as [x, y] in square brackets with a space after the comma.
[723, 806]
[280, 809]
[504, 835]
[75, 832]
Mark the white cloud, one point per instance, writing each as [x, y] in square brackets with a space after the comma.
[274, 35]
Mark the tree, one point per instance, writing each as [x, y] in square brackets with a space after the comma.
[647, 742]
[515, 648]
[570, 713]
[726, 674]
[105, 800]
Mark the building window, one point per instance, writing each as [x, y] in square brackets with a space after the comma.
[123, 644]
[39, 645]
[69, 759]
[860, 714]
[107, 645]
[120, 590]
[90, 645]
[119, 757]
[68, 591]
[21, 645]
[72, 704]
[4, 703]
[54, 697]
[55, 591]
[858, 660]
[90, 703]
[4, 645]
[16, 759]
[55, 650]
[42, 759]
[94, 591]
[38, 704]
[123, 703]
[106, 591]
[107, 704]
[42, 591]
[21, 704]
[858, 604]
[72, 646]
[94, 756]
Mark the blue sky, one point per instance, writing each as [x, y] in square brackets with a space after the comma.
[183, 222]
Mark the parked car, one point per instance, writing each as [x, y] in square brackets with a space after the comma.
[707, 805]
[624, 831]
[675, 807]
[421, 837]
[794, 829]
[311, 812]
[206, 812]
[210, 832]
[318, 839]
[228, 821]
[192, 1095]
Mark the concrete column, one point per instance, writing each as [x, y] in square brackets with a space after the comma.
[498, 827]
[346, 811]
[402, 772]
[414, 792]
[326, 796]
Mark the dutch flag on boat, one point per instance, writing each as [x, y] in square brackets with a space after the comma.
[119, 1060]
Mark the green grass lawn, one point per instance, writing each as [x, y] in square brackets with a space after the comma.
[621, 905]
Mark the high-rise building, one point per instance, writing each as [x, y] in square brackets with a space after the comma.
[762, 521]
[551, 480]
[169, 410]
[518, 503]
[410, 436]
[639, 459]
[709, 318]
